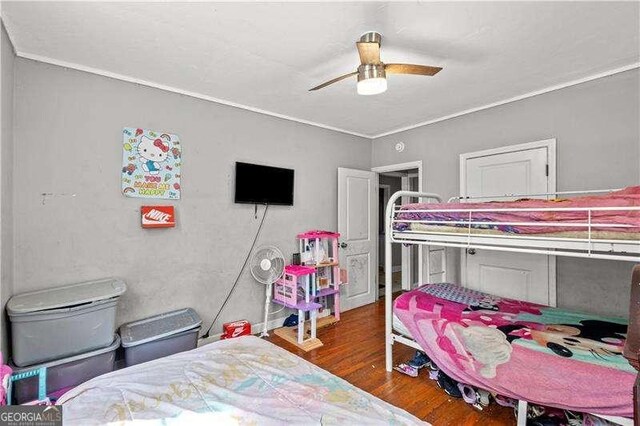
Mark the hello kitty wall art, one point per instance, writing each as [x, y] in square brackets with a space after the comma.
[151, 163]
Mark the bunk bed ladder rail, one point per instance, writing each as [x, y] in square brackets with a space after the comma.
[388, 276]
[469, 231]
[590, 243]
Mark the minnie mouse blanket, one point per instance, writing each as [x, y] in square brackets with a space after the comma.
[522, 350]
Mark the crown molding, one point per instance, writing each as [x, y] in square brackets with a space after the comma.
[6, 31]
[514, 99]
[121, 77]
[128, 79]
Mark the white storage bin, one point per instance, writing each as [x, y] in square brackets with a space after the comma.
[64, 321]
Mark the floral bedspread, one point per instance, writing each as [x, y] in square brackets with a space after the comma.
[243, 381]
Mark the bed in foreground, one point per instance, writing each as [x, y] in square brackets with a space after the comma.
[237, 381]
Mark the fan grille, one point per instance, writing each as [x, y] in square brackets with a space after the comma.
[267, 264]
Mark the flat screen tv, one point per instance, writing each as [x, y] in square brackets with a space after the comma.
[257, 184]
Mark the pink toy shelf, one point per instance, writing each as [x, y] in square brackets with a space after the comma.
[309, 287]
[285, 290]
[311, 235]
[298, 270]
[296, 290]
[319, 250]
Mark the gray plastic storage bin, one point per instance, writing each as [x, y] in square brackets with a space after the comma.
[60, 322]
[159, 336]
[67, 372]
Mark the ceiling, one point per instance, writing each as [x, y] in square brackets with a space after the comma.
[267, 55]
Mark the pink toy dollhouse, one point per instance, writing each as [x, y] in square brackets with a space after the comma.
[319, 250]
[311, 286]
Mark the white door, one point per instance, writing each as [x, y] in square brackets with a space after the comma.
[519, 169]
[357, 225]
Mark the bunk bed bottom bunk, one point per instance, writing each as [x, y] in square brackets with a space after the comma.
[522, 350]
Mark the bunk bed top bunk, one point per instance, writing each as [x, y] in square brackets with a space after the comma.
[603, 226]
[593, 226]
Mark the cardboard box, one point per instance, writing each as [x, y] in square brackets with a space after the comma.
[158, 217]
[235, 329]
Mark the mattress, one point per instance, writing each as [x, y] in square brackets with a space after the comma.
[399, 327]
[522, 350]
[595, 235]
[560, 217]
[244, 380]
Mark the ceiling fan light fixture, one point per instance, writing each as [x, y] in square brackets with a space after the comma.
[372, 79]
[372, 86]
[372, 72]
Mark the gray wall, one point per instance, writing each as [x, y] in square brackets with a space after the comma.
[68, 130]
[7, 60]
[598, 137]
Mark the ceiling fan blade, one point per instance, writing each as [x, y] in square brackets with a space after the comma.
[411, 69]
[369, 52]
[335, 80]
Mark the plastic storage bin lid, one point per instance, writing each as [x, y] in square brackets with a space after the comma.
[62, 297]
[157, 327]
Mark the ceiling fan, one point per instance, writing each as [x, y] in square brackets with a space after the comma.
[372, 73]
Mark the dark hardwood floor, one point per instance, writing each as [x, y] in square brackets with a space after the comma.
[354, 350]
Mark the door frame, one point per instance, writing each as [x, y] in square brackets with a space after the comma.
[400, 167]
[550, 144]
[387, 194]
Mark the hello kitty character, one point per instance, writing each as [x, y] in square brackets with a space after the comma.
[152, 152]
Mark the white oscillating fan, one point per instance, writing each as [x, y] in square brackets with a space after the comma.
[267, 266]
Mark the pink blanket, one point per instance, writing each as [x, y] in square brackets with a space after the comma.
[628, 197]
[522, 350]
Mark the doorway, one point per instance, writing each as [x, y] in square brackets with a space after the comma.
[406, 260]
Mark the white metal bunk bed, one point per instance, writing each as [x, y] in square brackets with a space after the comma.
[582, 247]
